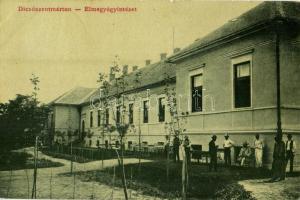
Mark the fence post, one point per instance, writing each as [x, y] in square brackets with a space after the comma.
[102, 158]
[33, 194]
[74, 184]
[51, 183]
[71, 157]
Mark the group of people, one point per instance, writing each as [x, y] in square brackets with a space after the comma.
[284, 152]
[186, 146]
[244, 154]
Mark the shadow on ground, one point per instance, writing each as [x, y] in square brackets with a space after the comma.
[151, 179]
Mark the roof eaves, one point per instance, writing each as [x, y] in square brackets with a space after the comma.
[172, 79]
[219, 41]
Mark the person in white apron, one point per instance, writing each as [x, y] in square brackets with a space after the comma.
[258, 146]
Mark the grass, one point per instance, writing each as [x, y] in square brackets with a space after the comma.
[91, 154]
[22, 160]
[202, 184]
[78, 159]
[82, 157]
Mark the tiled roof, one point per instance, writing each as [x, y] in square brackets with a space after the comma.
[263, 13]
[76, 96]
[149, 75]
[155, 73]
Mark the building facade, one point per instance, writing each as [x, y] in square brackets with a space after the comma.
[241, 79]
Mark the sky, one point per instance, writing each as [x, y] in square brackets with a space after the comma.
[69, 49]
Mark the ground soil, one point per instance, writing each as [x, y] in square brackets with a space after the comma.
[15, 184]
[261, 189]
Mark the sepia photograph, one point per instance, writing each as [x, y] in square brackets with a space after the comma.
[149, 99]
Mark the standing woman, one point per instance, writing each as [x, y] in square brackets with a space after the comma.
[258, 145]
[187, 149]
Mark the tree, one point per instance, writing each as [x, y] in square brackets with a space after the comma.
[112, 95]
[35, 81]
[175, 127]
[20, 119]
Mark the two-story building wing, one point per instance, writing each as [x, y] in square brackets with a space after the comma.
[247, 74]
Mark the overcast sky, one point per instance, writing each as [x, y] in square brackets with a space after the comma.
[69, 49]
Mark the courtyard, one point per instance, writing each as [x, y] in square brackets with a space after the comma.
[95, 180]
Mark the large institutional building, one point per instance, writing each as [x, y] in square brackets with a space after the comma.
[241, 79]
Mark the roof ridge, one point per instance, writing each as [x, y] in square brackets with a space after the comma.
[256, 17]
[65, 94]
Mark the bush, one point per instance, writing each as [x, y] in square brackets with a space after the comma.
[13, 160]
[22, 160]
[233, 191]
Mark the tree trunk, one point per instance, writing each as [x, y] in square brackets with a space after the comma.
[33, 195]
[121, 164]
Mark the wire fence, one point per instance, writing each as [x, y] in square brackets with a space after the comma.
[85, 154]
[53, 183]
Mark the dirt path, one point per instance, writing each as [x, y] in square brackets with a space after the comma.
[288, 189]
[15, 184]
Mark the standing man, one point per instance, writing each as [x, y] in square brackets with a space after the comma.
[213, 149]
[227, 149]
[279, 163]
[187, 149]
[176, 144]
[258, 146]
[167, 147]
[290, 151]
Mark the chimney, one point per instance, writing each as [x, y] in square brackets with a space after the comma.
[163, 56]
[111, 75]
[125, 70]
[148, 62]
[176, 50]
[134, 68]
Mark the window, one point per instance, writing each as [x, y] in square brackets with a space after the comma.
[98, 143]
[242, 85]
[82, 135]
[118, 115]
[117, 144]
[196, 91]
[130, 113]
[91, 119]
[90, 143]
[161, 109]
[107, 116]
[129, 144]
[146, 111]
[99, 117]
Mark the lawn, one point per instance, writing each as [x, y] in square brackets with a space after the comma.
[151, 180]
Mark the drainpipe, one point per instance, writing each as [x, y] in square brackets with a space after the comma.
[278, 91]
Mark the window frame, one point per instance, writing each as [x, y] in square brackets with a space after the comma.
[118, 114]
[144, 119]
[107, 117]
[198, 72]
[244, 58]
[91, 119]
[131, 113]
[99, 118]
[163, 98]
